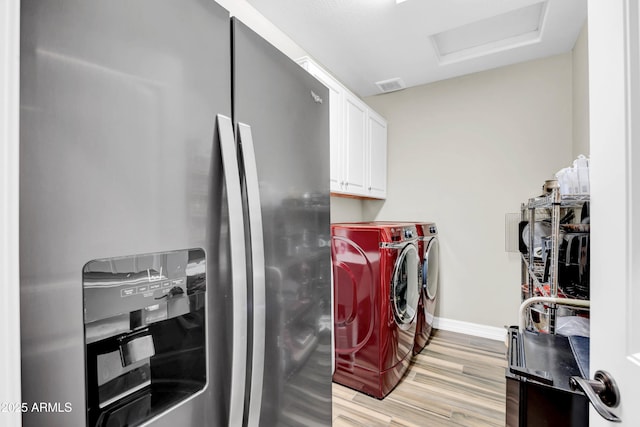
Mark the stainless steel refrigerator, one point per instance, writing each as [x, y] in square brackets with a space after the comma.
[174, 220]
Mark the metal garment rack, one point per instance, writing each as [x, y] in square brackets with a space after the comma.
[533, 270]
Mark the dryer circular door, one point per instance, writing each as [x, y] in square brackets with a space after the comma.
[354, 299]
[405, 287]
[430, 281]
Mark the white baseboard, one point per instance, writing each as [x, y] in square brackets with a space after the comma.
[475, 329]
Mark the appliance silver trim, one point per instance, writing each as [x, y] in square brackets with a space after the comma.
[239, 268]
[258, 270]
[126, 393]
[404, 323]
[426, 284]
[398, 245]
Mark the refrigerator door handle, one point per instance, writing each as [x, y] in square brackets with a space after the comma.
[258, 269]
[239, 269]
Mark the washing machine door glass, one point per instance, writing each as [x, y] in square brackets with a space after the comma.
[405, 287]
[430, 269]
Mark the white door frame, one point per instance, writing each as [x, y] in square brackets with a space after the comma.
[9, 231]
[614, 80]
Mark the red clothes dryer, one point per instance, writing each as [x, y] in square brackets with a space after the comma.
[376, 295]
[428, 248]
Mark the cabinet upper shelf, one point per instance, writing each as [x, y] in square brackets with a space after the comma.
[566, 201]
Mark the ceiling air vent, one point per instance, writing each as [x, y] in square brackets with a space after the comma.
[391, 85]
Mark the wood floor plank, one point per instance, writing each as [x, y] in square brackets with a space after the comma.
[463, 385]
[360, 416]
[343, 393]
[372, 413]
[407, 414]
[457, 380]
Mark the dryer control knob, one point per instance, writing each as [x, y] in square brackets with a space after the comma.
[408, 233]
[432, 230]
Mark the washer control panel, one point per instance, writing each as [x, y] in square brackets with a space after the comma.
[400, 234]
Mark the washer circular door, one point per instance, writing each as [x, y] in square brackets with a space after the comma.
[405, 287]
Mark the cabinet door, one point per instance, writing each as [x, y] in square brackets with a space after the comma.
[377, 164]
[336, 126]
[355, 145]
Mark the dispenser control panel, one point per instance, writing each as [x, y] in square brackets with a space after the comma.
[121, 285]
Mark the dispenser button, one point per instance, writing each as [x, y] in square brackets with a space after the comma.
[127, 292]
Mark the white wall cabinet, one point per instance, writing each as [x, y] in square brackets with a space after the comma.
[358, 141]
[377, 151]
[354, 150]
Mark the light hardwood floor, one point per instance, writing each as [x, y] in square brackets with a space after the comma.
[457, 380]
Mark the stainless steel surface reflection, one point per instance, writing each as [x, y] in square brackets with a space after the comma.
[118, 102]
[292, 155]
[297, 281]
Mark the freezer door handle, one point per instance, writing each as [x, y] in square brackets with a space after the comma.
[258, 270]
[239, 268]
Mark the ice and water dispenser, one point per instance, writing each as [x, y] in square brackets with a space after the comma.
[144, 319]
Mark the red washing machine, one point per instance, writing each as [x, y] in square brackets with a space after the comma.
[428, 248]
[376, 295]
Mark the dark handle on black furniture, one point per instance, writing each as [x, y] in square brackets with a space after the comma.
[514, 365]
[543, 377]
[601, 391]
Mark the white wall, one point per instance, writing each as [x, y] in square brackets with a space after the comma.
[9, 270]
[463, 152]
[581, 95]
[346, 209]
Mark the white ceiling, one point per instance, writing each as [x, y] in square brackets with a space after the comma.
[365, 41]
